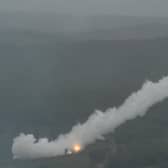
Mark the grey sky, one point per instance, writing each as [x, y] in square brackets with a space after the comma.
[128, 7]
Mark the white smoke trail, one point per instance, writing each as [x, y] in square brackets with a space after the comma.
[98, 124]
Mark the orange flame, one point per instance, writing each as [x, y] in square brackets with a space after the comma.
[77, 148]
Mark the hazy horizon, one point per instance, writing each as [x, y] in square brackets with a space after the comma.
[115, 7]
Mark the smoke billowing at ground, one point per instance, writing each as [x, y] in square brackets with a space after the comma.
[98, 124]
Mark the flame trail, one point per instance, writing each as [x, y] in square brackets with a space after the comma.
[98, 124]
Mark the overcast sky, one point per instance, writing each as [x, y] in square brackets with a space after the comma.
[123, 7]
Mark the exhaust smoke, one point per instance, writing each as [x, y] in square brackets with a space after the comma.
[98, 124]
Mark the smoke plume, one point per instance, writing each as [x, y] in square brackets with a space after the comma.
[98, 124]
